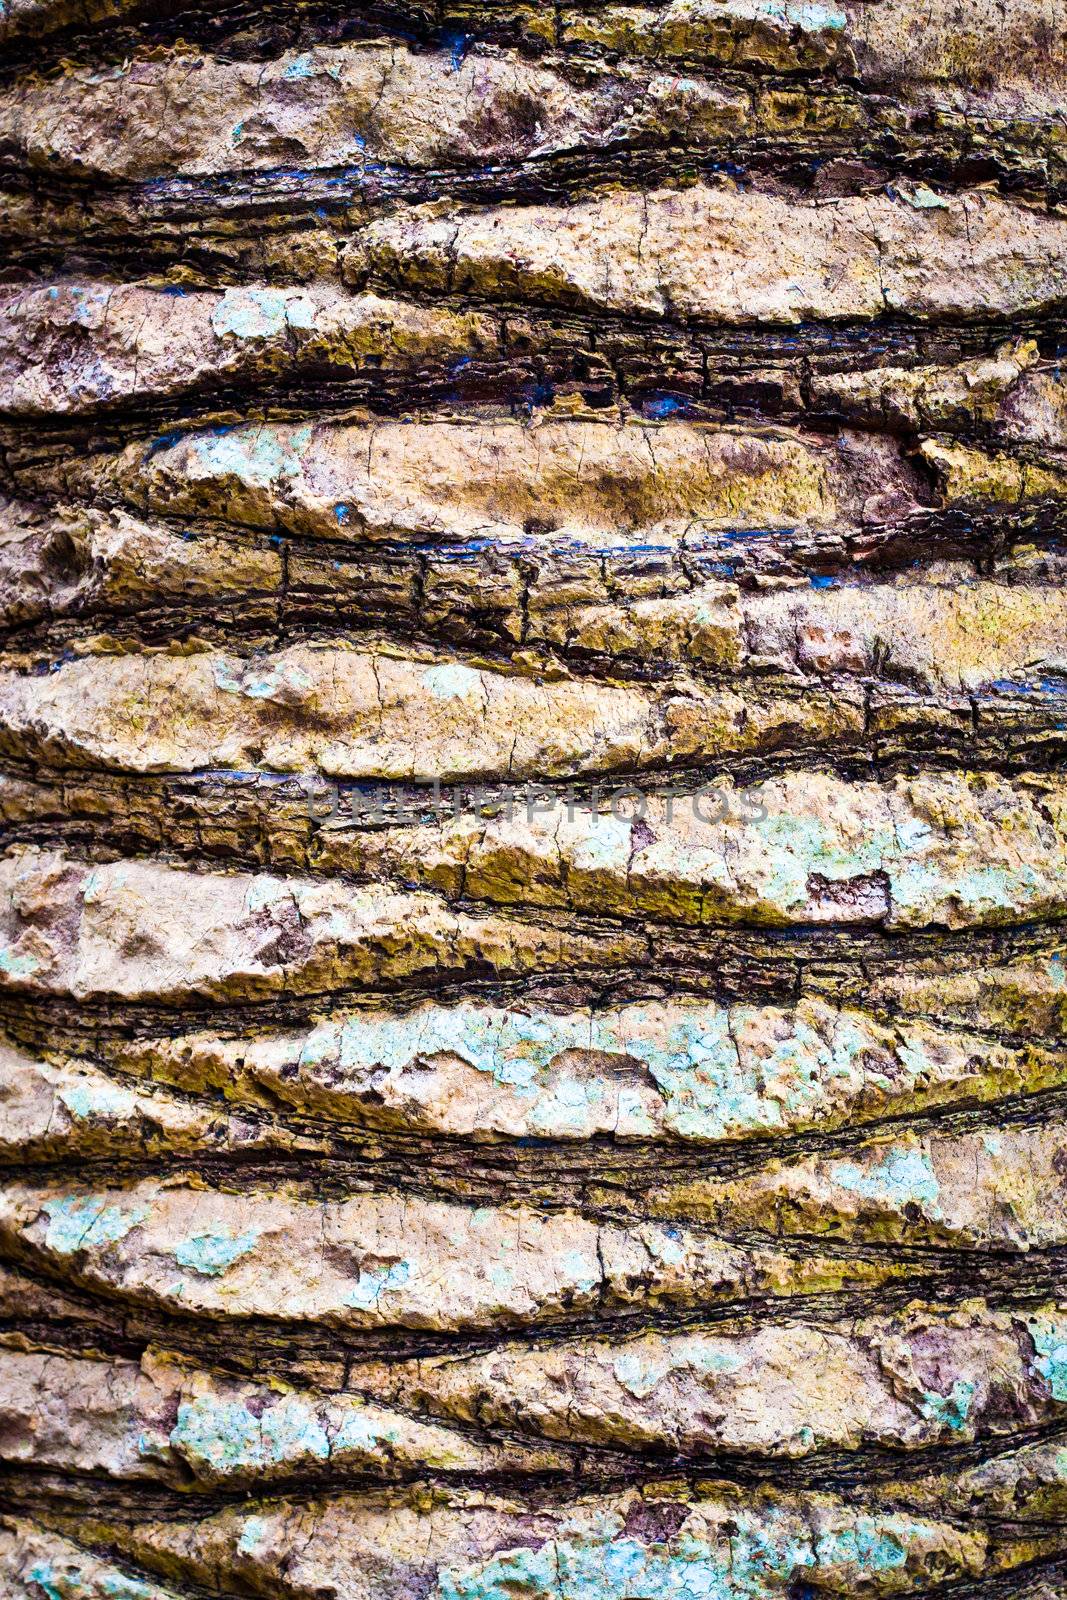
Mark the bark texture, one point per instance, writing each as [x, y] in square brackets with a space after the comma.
[533, 705]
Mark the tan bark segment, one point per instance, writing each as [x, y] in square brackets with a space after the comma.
[161, 1419]
[999, 1188]
[146, 931]
[685, 1069]
[727, 255]
[71, 1108]
[943, 850]
[925, 1378]
[348, 712]
[457, 1547]
[387, 1259]
[350, 106]
[72, 345]
[32, 1557]
[437, 480]
[942, 627]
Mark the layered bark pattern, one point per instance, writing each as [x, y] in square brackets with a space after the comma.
[533, 705]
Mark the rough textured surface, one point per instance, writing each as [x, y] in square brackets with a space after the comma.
[533, 800]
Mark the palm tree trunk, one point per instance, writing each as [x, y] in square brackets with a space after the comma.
[535, 824]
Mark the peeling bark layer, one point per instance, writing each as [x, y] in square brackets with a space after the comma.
[533, 717]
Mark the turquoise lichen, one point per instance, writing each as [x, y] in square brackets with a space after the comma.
[228, 1438]
[699, 1085]
[511, 1047]
[807, 14]
[116, 1586]
[566, 1569]
[257, 456]
[903, 1177]
[72, 1583]
[453, 681]
[923, 198]
[799, 846]
[302, 67]
[213, 1252]
[607, 847]
[264, 891]
[583, 1269]
[18, 964]
[718, 1358]
[665, 1245]
[43, 1574]
[952, 1408]
[82, 1222]
[252, 1533]
[360, 1434]
[284, 678]
[87, 1099]
[261, 313]
[868, 1545]
[752, 1563]
[644, 1363]
[250, 313]
[364, 1293]
[102, 881]
[1050, 1343]
[707, 1090]
[982, 894]
[279, 679]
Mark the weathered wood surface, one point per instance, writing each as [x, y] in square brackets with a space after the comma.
[533, 705]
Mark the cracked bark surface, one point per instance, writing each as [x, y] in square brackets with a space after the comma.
[533, 656]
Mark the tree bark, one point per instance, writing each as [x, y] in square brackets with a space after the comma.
[532, 730]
